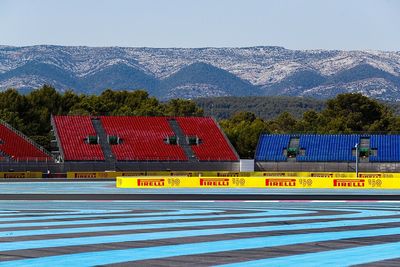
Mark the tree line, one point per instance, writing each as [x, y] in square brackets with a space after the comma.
[265, 107]
[31, 113]
[347, 113]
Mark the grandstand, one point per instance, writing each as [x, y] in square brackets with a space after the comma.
[211, 144]
[142, 143]
[387, 148]
[330, 152]
[128, 143]
[142, 138]
[74, 134]
[16, 147]
[271, 147]
[336, 148]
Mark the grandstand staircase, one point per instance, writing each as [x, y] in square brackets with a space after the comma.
[364, 143]
[183, 142]
[294, 143]
[105, 146]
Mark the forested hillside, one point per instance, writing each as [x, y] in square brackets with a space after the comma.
[265, 107]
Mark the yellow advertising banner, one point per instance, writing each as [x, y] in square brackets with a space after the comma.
[258, 182]
[113, 174]
[20, 175]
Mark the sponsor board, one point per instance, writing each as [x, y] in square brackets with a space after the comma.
[221, 174]
[148, 182]
[321, 174]
[370, 175]
[214, 182]
[280, 182]
[258, 182]
[107, 174]
[349, 183]
[20, 175]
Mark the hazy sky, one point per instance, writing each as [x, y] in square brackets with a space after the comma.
[295, 24]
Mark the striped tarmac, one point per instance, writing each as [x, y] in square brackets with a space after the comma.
[199, 233]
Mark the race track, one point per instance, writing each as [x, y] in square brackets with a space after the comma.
[85, 233]
[195, 233]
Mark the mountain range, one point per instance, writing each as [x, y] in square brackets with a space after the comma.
[203, 72]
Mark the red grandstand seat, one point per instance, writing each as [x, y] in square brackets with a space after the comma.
[213, 146]
[142, 138]
[17, 147]
[72, 131]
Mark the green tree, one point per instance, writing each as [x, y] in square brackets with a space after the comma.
[284, 123]
[68, 100]
[355, 113]
[182, 107]
[243, 131]
[311, 122]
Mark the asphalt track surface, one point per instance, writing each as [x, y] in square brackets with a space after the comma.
[197, 233]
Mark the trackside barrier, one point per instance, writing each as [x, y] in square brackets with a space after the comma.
[258, 182]
[113, 174]
[20, 175]
[77, 175]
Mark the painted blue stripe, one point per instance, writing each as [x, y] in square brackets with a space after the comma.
[135, 254]
[78, 241]
[338, 223]
[341, 257]
[161, 218]
[18, 214]
[105, 214]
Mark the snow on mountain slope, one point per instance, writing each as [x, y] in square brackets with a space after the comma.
[266, 69]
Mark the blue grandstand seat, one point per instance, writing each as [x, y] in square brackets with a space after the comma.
[387, 147]
[271, 146]
[328, 147]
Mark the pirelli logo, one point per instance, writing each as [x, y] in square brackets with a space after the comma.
[15, 175]
[370, 175]
[348, 183]
[278, 182]
[214, 182]
[150, 182]
[133, 174]
[221, 174]
[282, 174]
[85, 175]
[322, 175]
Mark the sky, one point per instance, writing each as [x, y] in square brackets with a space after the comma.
[293, 24]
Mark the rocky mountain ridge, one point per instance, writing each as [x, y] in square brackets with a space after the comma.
[203, 72]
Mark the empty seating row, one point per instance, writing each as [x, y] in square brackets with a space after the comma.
[213, 145]
[16, 147]
[72, 132]
[271, 146]
[142, 138]
[328, 147]
[387, 148]
[310, 148]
